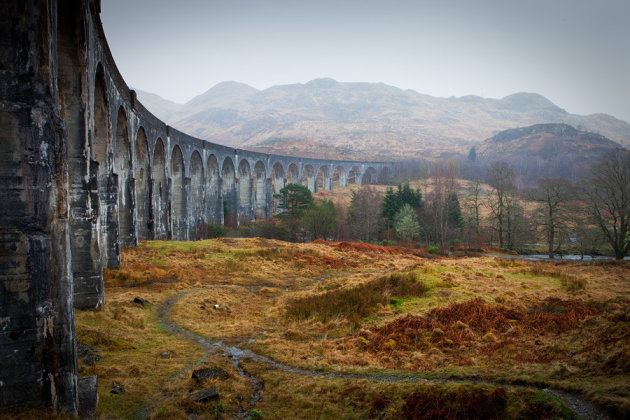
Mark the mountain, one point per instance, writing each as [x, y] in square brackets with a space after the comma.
[326, 118]
[545, 150]
[160, 107]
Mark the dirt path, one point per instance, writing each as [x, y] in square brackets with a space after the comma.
[582, 408]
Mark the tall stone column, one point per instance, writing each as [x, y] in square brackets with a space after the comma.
[37, 335]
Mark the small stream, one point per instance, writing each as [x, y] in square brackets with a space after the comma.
[582, 408]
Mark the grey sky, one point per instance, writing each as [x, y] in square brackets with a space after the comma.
[574, 52]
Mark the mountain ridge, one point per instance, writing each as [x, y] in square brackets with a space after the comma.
[361, 120]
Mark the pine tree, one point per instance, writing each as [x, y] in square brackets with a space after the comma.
[407, 226]
[472, 155]
[453, 211]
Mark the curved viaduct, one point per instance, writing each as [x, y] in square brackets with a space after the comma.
[86, 170]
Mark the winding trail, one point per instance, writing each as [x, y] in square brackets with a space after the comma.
[583, 409]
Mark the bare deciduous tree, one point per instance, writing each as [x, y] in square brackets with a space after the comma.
[365, 213]
[501, 178]
[607, 190]
[554, 197]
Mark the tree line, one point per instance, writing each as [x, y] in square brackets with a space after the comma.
[445, 212]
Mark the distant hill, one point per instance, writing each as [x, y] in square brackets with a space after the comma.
[545, 150]
[362, 120]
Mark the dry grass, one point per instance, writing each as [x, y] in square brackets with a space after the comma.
[358, 301]
[342, 307]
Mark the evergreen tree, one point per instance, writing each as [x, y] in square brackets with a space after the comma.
[294, 199]
[472, 155]
[391, 205]
[453, 211]
[407, 226]
[394, 201]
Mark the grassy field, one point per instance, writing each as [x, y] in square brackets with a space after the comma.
[399, 335]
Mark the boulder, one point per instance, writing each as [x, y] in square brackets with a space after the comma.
[141, 301]
[206, 395]
[201, 375]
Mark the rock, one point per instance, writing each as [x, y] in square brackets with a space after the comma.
[202, 307]
[227, 308]
[117, 388]
[216, 306]
[87, 354]
[88, 397]
[141, 301]
[165, 355]
[201, 375]
[206, 395]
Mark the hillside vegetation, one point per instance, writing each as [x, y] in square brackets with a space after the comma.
[354, 330]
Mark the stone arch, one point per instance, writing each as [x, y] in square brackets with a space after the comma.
[142, 172]
[160, 191]
[123, 170]
[369, 177]
[260, 190]
[105, 205]
[178, 198]
[339, 178]
[323, 178]
[308, 178]
[354, 175]
[277, 183]
[244, 191]
[102, 128]
[214, 209]
[293, 174]
[197, 210]
[228, 190]
[385, 176]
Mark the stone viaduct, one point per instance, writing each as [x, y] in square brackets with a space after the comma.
[85, 169]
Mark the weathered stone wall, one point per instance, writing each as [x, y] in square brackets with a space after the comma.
[85, 169]
[37, 343]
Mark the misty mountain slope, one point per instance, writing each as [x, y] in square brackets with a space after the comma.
[366, 120]
[546, 150]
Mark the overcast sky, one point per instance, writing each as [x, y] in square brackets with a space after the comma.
[574, 52]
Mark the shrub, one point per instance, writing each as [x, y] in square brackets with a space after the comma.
[432, 249]
[358, 301]
[256, 414]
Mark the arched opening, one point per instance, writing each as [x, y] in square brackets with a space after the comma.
[293, 174]
[213, 197]
[308, 178]
[160, 191]
[385, 177]
[339, 178]
[323, 179]
[353, 175]
[105, 205]
[178, 198]
[141, 171]
[102, 132]
[244, 192]
[122, 168]
[369, 177]
[228, 191]
[198, 214]
[260, 192]
[277, 183]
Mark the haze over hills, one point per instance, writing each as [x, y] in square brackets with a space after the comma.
[545, 150]
[326, 118]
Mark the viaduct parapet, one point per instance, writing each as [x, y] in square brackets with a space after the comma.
[85, 169]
